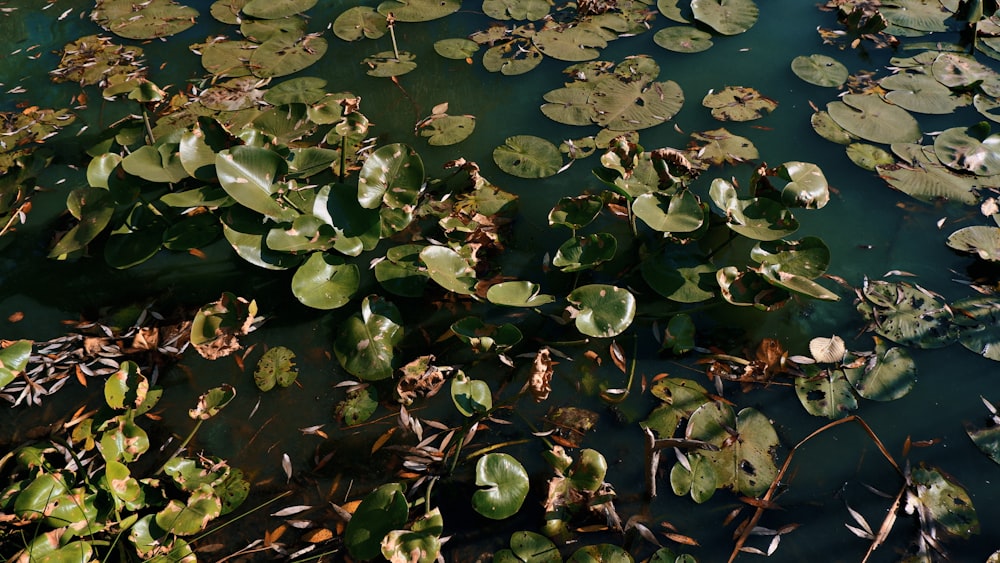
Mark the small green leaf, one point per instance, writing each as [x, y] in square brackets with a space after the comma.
[527, 156]
[213, 401]
[471, 396]
[276, 366]
[504, 485]
[602, 311]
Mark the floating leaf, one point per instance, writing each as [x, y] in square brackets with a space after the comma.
[529, 547]
[757, 218]
[527, 156]
[575, 212]
[945, 501]
[585, 252]
[700, 481]
[518, 294]
[908, 315]
[393, 174]
[748, 288]
[504, 485]
[401, 272]
[126, 388]
[226, 58]
[980, 326]
[148, 20]
[738, 103]
[747, 444]
[828, 350]
[921, 93]
[981, 240]
[602, 311]
[681, 397]
[820, 70]
[13, 359]
[516, 9]
[325, 281]
[383, 510]
[366, 341]
[512, 57]
[448, 129]
[213, 401]
[286, 53]
[889, 375]
[419, 10]
[874, 119]
[681, 274]
[272, 10]
[868, 156]
[458, 48]
[248, 174]
[728, 17]
[683, 39]
[825, 392]
[969, 149]
[808, 257]
[420, 544]
[471, 396]
[449, 269]
[301, 90]
[359, 405]
[677, 213]
[276, 366]
[719, 145]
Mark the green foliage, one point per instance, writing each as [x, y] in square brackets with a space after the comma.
[504, 486]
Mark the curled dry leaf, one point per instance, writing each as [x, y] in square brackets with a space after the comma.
[540, 381]
[828, 350]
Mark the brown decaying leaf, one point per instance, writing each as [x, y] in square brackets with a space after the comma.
[540, 380]
[16, 317]
[618, 356]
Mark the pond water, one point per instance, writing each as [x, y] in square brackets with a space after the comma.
[869, 228]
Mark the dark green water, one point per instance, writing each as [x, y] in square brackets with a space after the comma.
[869, 228]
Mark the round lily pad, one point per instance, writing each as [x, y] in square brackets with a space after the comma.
[602, 310]
[146, 20]
[981, 240]
[325, 281]
[921, 93]
[419, 10]
[458, 48]
[683, 39]
[517, 294]
[728, 17]
[274, 9]
[969, 149]
[386, 64]
[359, 22]
[286, 53]
[448, 129]
[873, 119]
[516, 9]
[527, 156]
[868, 156]
[738, 103]
[504, 483]
[820, 70]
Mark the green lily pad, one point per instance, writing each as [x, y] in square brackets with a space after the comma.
[824, 392]
[518, 294]
[359, 405]
[987, 438]
[757, 218]
[826, 127]
[446, 130]
[930, 181]
[921, 93]
[148, 20]
[602, 311]
[700, 481]
[212, 401]
[678, 213]
[420, 544]
[683, 39]
[249, 175]
[874, 119]
[233, 94]
[386, 64]
[820, 70]
[747, 445]
[981, 240]
[457, 48]
[286, 53]
[947, 503]
[516, 9]
[908, 315]
[156, 163]
[227, 11]
[679, 334]
[570, 42]
[226, 58]
[958, 70]
[987, 106]
[889, 375]
[575, 212]
[419, 10]
[253, 248]
[808, 257]
[259, 31]
[325, 281]
[916, 15]
[630, 105]
[528, 547]
[94, 208]
[775, 275]
[980, 326]
[301, 90]
[504, 485]
[13, 359]
[970, 149]
[585, 252]
[276, 366]
[383, 510]
[681, 397]
[600, 553]
[512, 58]
[728, 17]
[807, 186]
[483, 337]
[749, 288]
[738, 103]
[682, 275]
[719, 145]
[401, 272]
[366, 341]
[471, 396]
[868, 156]
[275, 9]
[527, 156]
[449, 269]
[126, 388]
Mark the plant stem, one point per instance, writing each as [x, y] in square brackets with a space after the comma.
[343, 157]
[390, 22]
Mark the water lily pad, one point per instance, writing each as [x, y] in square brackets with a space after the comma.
[275, 367]
[158, 163]
[917, 15]
[826, 127]
[126, 388]
[570, 42]
[382, 510]
[471, 396]
[825, 392]
[678, 213]
[602, 311]
[749, 288]
[449, 269]
[249, 175]
[94, 208]
[359, 405]
[970, 149]
[359, 22]
[227, 11]
[286, 53]
[719, 145]
[366, 341]
[930, 181]
[738, 103]
[420, 544]
[921, 93]
[681, 274]
[630, 105]
[325, 281]
[512, 58]
[679, 335]
[260, 31]
[518, 294]
[393, 175]
[516, 9]
[211, 402]
[226, 58]
[981, 240]
[700, 481]
[944, 500]
[888, 375]
[148, 20]
[681, 397]
[300, 90]
[747, 444]
[757, 218]
[728, 17]
[820, 70]
[386, 64]
[775, 275]
[980, 326]
[504, 485]
[874, 119]
[868, 156]
[808, 257]
[585, 252]
[274, 9]
[907, 314]
[419, 10]
[683, 39]
[483, 337]
[446, 130]
[458, 48]
[575, 212]
[13, 360]
[527, 156]
[401, 272]
[528, 547]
